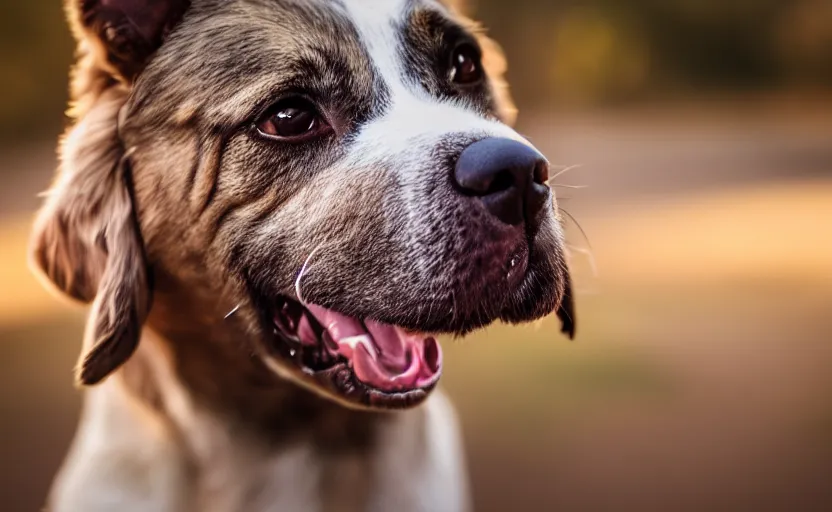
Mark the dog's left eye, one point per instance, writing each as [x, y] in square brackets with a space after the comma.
[466, 65]
[293, 119]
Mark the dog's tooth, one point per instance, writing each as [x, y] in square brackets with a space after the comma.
[329, 343]
[348, 346]
[339, 326]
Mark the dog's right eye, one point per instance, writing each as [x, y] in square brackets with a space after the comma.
[466, 65]
[293, 120]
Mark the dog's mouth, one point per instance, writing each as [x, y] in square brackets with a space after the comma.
[361, 361]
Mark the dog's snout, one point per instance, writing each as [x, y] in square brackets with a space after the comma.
[508, 177]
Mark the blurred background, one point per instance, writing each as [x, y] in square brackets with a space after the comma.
[702, 374]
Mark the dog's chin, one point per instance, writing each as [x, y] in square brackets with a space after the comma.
[368, 364]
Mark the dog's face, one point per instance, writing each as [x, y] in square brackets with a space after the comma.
[337, 174]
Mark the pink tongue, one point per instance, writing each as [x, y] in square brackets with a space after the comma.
[383, 356]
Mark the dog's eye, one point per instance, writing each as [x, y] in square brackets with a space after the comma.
[293, 119]
[466, 65]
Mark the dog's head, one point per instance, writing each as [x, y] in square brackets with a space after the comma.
[339, 175]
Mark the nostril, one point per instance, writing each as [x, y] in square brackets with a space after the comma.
[541, 173]
[503, 181]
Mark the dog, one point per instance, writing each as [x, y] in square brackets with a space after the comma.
[273, 207]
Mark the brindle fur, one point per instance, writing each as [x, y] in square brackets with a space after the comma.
[168, 212]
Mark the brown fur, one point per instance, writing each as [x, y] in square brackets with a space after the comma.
[165, 198]
[89, 242]
[86, 239]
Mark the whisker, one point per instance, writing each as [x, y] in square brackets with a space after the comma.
[578, 225]
[588, 255]
[572, 187]
[302, 272]
[233, 312]
[563, 171]
[588, 252]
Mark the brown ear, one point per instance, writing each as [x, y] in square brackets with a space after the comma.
[87, 243]
[124, 34]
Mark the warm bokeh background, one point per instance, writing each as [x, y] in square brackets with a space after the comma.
[702, 376]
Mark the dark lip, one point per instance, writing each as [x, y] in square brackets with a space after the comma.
[336, 377]
[341, 381]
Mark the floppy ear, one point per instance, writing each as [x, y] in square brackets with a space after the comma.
[566, 312]
[86, 239]
[124, 34]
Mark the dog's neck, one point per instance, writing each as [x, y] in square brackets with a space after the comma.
[207, 394]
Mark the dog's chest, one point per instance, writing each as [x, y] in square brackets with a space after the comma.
[205, 464]
[295, 478]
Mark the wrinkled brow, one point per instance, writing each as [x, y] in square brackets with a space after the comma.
[227, 67]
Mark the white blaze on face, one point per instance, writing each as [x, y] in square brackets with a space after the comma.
[415, 121]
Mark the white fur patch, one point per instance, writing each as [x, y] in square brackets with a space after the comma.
[420, 466]
[415, 121]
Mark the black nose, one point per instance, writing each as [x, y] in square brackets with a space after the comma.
[508, 177]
